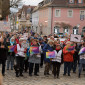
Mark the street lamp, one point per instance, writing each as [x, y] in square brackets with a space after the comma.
[40, 28]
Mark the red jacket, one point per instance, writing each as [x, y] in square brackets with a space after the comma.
[67, 56]
[17, 41]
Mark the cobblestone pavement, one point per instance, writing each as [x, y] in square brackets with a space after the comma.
[10, 79]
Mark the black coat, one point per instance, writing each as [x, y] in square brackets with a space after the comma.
[3, 52]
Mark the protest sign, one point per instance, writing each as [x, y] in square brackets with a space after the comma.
[11, 48]
[34, 50]
[75, 38]
[50, 54]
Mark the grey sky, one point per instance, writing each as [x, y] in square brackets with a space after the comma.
[27, 2]
[31, 2]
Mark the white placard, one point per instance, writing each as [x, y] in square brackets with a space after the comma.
[5, 26]
[75, 38]
[25, 35]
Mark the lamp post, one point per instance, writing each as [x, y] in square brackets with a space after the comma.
[40, 28]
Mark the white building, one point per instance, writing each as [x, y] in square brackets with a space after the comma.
[35, 21]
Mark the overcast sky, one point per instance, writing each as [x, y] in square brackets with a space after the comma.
[31, 2]
[26, 2]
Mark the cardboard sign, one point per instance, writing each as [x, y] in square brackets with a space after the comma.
[75, 38]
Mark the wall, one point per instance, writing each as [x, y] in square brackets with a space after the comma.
[73, 21]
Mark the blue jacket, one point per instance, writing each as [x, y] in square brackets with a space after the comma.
[45, 49]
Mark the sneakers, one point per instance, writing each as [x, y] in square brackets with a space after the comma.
[48, 74]
[36, 74]
[64, 74]
[79, 75]
[17, 75]
[30, 74]
[69, 75]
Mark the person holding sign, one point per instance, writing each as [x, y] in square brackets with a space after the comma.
[57, 60]
[20, 56]
[68, 57]
[11, 53]
[47, 48]
[34, 58]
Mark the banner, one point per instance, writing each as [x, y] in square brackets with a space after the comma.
[11, 48]
[50, 54]
[34, 50]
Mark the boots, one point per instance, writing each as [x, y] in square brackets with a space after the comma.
[79, 75]
[17, 73]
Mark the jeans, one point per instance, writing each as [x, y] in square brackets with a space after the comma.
[67, 67]
[31, 65]
[10, 60]
[3, 62]
[74, 66]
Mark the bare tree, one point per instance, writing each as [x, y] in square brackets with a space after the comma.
[7, 4]
[14, 3]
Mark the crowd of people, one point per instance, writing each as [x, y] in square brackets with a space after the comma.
[21, 60]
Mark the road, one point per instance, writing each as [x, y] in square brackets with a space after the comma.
[10, 79]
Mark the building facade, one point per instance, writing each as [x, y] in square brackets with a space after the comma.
[24, 17]
[35, 21]
[61, 16]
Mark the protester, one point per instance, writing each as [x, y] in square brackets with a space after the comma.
[11, 55]
[75, 58]
[47, 48]
[58, 60]
[68, 59]
[41, 42]
[3, 55]
[81, 61]
[20, 55]
[34, 59]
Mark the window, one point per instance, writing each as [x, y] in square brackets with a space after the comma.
[58, 13]
[66, 30]
[70, 13]
[82, 14]
[75, 30]
[80, 1]
[56, 29]
[71, 1]
[83, 30]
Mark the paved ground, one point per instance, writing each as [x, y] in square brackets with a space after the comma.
[10, 79]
